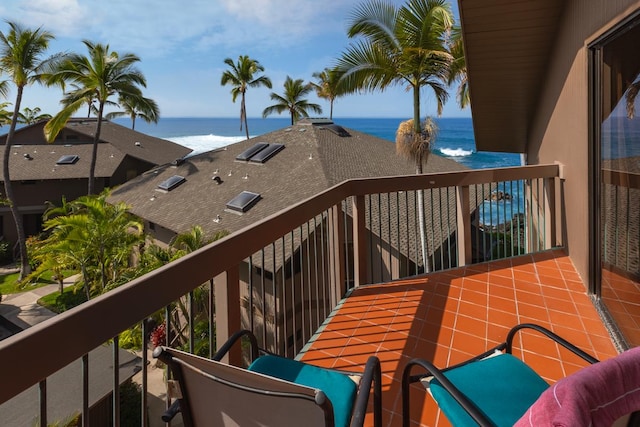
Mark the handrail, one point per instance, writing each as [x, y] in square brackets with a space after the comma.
[36, 353]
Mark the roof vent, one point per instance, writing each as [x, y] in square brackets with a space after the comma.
[178, 162]
[28, 156]
[171, 183]
[217, 179]
[69, 159]
[243, 201]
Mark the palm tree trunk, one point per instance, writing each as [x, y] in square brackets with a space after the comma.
[25, 267]
[331, 109]
[421, 223]
[243, 116]
[94, 154]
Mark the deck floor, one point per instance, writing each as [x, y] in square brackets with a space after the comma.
[445, 317]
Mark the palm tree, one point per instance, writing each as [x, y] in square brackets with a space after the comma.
[95, 236]
[241, 76]
[30, 116]
[405, 46]
[5, 115]
[98, 77]
[328, 86]
[145, 108]
[458, 68]
[21, 58]
[292, 101]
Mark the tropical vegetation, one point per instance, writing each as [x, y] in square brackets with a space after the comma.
[99, 76]
[241, 76]
[137, 107]
[91, 237]
[328, 86]
[29, 116]
[22, 58]
[292, 101]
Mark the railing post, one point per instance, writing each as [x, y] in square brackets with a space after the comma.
[463, 225]
[336, 257]
[227, 298]
[550, 214]
[360, 257]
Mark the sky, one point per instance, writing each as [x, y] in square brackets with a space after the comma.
[182, 46]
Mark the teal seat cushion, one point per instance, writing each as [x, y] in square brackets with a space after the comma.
[502, 387]
[339, 388]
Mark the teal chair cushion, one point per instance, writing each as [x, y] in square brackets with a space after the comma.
[502, 387]
[339, 388]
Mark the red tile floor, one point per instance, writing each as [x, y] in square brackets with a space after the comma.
[448, 316]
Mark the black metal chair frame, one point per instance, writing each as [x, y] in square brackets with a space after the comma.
[371, 377]
[467, 405]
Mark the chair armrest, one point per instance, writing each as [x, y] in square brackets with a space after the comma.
[466, 404]
[232, 340]
[372, 376]
[566, 344]
[171, 412]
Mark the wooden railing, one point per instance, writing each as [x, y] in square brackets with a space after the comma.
[34, 354]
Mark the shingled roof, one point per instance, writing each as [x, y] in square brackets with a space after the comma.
[116, 142]
[315, 157]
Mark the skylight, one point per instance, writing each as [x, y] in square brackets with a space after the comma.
[338, 130]
[68, 159]
[246, 154]
[243, 201]
[267, 153]
[171, 183]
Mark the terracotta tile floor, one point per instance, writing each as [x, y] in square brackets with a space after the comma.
[448, 316]
[621, 296]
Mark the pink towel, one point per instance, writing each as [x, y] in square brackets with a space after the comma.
[594, 396]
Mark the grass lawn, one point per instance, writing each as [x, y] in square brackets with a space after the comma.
[59, 303]
[9, 282]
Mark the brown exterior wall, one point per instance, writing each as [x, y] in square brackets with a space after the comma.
[560, 129]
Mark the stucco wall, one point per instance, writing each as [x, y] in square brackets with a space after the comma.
[560, 128]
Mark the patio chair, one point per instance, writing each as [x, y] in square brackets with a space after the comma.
[272, 391]
[498, 389]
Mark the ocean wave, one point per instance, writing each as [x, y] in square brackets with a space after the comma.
[204, 143]
[456, 152]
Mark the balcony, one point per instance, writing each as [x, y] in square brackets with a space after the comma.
[341, 276]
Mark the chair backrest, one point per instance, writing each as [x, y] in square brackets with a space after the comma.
[218, 394]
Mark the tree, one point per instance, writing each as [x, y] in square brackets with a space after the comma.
[145, 108]
[22, 59]
[458, 68]
[30, 116]
[328, 86]
[93, 236]
[98, 76]
[5, 115]
[406, 45]
[241, 76]
[292, 101]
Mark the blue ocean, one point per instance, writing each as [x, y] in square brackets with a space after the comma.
[455, 141]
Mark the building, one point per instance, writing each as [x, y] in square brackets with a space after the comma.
[555, 80]
[43, 173]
